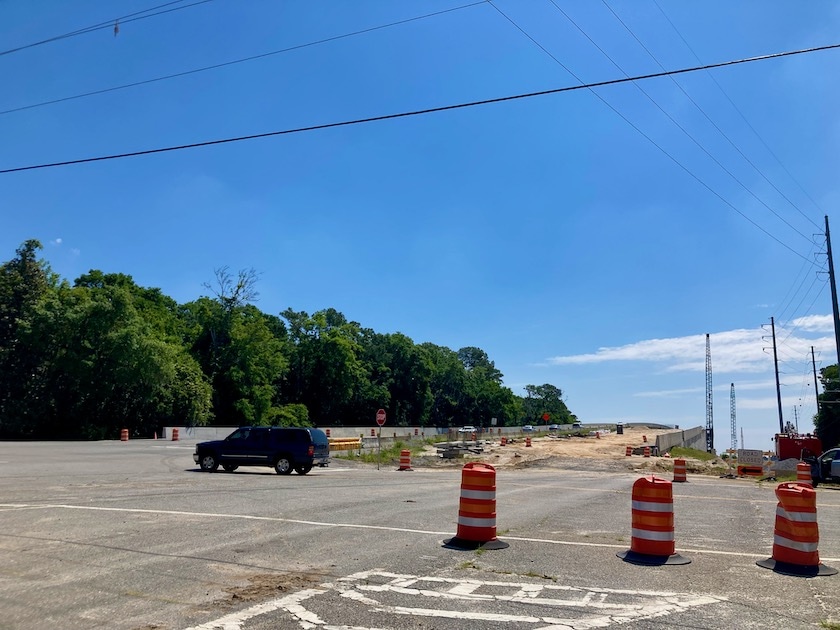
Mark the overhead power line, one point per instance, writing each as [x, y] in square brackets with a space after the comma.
[237, 61]
[131, 17]
[717, 128]
[740, 113]
[671, 157]
[417, 112]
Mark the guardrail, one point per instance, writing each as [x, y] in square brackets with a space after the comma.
[345, 444]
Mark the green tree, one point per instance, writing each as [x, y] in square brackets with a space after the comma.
[25, 281]
[545, 399]
[827, 420]
[325, 369]
[402, 371]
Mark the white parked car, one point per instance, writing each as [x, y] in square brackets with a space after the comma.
[468, 429]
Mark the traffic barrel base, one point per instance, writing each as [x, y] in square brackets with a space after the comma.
[633, 557]
[796, 570]
[796, 534]
[459, 544]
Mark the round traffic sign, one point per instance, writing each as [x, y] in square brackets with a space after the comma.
[380, 417]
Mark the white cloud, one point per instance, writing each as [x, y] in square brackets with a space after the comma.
[815, 323]
[56, 242]
[740, 350]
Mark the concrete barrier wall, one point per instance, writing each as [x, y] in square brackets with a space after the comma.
[218, 433]
[690, 438]
[694, 438]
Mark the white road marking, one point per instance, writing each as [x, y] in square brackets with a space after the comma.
[589, 606]
[275, 519]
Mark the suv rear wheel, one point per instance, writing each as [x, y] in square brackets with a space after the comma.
[283, 465]
[209, 463]
[302, 470]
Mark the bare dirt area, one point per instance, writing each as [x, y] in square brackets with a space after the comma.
[574, 452]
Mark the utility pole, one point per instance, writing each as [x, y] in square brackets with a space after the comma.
[816, 389]
[796, 419]
[710, 425]
[778, 387]
[833, 290]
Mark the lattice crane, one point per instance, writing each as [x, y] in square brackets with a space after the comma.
[710, 425]
[733, 436]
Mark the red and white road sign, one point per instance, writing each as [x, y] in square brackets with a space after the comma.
[380, 417]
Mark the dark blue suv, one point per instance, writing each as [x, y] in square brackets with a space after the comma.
[283, 448]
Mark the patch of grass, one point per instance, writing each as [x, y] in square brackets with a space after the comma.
[694, 453]
[830, 625]
[469, 564]
[542, 576]
[480, 551]
[389, 455]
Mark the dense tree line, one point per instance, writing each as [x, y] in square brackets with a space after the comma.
[86, 359]
[827, 420]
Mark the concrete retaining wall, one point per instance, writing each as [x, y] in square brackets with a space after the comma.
[690, 438]
[201, 434]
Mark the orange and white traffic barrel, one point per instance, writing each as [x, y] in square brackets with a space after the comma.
[528, 441]
[503, 441]
[327, 431]
[124, 435]
[796, 535]
[803, 474]
[405, 460]
[647, 451]
[175, 436]
[679, 470]
[652, 533]
[477, 510]
[628, 451]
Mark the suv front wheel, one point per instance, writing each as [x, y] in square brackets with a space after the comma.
[208, 462]
[283, 465]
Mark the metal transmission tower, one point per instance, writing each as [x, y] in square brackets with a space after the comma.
[733, 436]
[710, 425]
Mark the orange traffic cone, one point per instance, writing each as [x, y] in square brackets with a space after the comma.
[477, 510]
[405, 460]
[679, 470]
[652, 534]
[796, 535]
[803, 474]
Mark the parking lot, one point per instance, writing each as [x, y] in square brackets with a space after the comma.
[132, 536]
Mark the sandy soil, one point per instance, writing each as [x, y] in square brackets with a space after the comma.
[579, 452]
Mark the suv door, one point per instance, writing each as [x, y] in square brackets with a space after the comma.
[233, 448]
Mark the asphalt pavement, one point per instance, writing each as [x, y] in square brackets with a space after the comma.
[131, 536]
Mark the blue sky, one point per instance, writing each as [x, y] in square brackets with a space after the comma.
[589, 239]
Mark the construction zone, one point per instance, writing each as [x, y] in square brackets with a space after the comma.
[590, 449]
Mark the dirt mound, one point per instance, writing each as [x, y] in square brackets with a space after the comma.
[582, 451]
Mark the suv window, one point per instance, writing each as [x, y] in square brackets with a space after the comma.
[239, 434]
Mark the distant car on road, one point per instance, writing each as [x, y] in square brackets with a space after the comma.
[554, 427]
[527, 428]
[468, 429]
